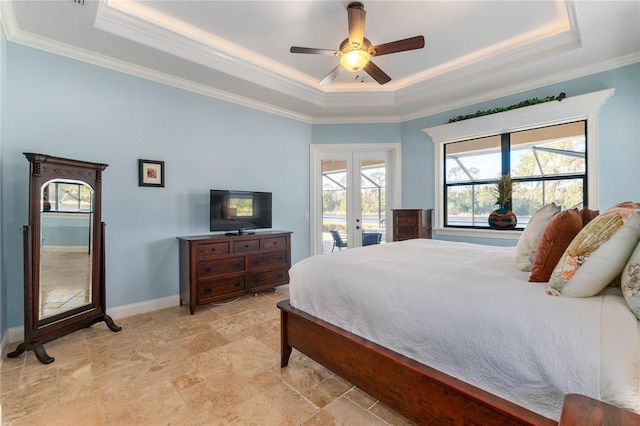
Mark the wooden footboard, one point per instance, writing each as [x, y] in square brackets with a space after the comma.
[420, 393]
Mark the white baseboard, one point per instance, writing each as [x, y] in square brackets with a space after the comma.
[16, 334]
[143, 307]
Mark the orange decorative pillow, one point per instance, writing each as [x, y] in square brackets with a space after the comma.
[560, 231]
[588, 215]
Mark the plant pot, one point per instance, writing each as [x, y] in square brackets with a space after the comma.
[502, 218]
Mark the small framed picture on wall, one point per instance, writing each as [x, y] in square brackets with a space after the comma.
[150, 173]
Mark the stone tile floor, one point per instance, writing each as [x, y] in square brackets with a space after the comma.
[220, 366]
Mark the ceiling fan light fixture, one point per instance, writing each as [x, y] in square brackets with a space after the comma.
[355, 60]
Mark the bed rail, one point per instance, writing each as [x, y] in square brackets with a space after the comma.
[418, 392]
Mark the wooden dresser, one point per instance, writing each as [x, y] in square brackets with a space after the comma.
[411, 223]
[217, 267]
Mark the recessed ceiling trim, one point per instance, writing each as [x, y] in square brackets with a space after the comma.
[562, 34]
[134, 22]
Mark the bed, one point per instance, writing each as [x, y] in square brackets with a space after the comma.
[453, 332]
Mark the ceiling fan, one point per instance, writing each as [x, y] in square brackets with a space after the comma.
[355, 52]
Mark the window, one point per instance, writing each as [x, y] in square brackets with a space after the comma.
[547, 165]
[522, 125]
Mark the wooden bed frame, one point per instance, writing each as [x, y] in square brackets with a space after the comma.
[418, 392]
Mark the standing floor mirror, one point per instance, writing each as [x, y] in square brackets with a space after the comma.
[64, 255]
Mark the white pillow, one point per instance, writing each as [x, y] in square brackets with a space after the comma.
[528, 242]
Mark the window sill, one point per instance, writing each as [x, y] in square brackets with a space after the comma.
[479, 233]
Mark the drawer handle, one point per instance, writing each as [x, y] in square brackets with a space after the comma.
[279, 258]
[237, 265]
[256, 280]
[246, 246]
[208, 290]
[280, 275]
[238, 284]
[256, 261]
[275, 243]
[206, 269]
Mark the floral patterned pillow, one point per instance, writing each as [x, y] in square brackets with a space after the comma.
[631, 282]
[597, 255]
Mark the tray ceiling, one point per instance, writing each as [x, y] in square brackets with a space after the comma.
[239, 50]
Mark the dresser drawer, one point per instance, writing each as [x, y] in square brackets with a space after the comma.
[407, 233]
[274, 242]
[263, 260]
[208, 268]
[211, 249]
[406, 219]
[214, 287]
[246, 245]
[268, 279]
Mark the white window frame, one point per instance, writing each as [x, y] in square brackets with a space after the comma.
[575, 108]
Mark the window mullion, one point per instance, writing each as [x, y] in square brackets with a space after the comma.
[505, 148]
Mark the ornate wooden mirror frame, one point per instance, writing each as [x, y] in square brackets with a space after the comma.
[65, 255]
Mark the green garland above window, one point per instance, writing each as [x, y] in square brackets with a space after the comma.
[526, 103]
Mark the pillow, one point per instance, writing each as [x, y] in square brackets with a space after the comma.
[588, 215]
[557, 236]
[631, 282]
[528, 242]
[598, 253]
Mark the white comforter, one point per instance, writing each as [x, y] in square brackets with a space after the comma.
[466, 310]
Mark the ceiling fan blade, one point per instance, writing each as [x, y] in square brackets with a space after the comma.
[410, 43]
[357, 17]
[332, 75]
[376, 73]
[297, 49]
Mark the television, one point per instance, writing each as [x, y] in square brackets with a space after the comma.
[239, 211]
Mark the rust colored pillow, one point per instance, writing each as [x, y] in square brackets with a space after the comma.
[588, 215]
[560, 231]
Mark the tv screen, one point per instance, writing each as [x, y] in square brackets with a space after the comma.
[239, 210]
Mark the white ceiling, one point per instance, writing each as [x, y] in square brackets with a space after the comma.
[239, 50]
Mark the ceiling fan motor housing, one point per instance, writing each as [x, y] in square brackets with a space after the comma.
[354, 57]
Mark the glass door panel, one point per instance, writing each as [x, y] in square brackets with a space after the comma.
[334, 205]
[373, 206]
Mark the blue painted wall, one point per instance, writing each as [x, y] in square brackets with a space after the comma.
[72, 109]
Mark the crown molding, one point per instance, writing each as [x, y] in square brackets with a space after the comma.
[13, 34]
[525, 86]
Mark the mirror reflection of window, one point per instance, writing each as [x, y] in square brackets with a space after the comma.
[66, 196]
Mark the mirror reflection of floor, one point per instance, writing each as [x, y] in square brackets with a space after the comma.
[64, 280]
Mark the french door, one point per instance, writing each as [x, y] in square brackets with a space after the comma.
[353, 189]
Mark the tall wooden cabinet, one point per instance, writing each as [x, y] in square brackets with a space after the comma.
[412, 223]
[217, 267]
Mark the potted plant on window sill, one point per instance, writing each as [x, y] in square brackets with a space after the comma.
[502, 217]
